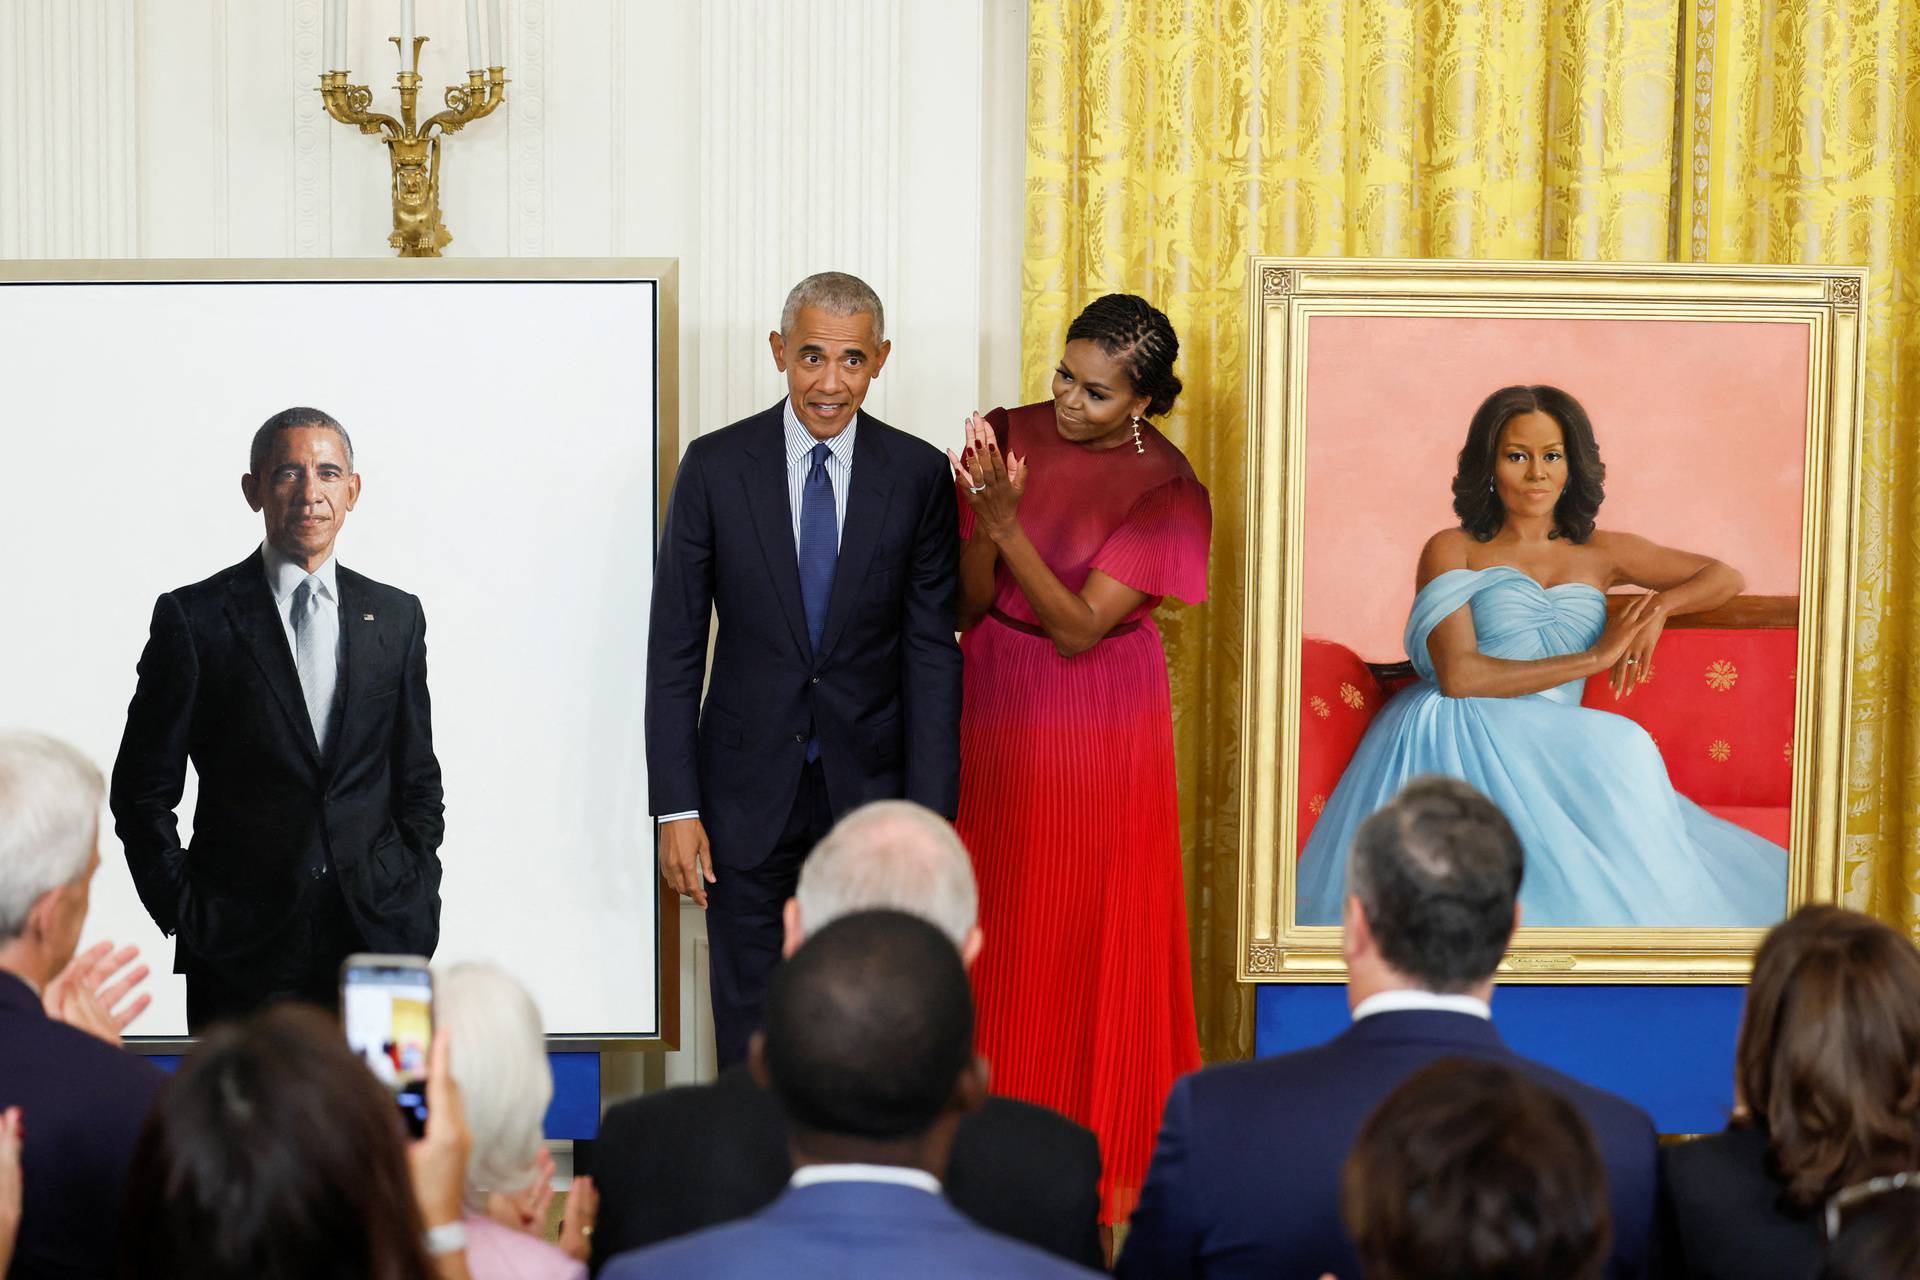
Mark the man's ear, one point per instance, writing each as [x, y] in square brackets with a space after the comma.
[757, 1060]
[250, 488]
[43, 917]
[793, 931]
[880, 358]
[970, 1090]
[1356, 935]
[970, 947]
[1516, 925]
[353, 490]
[779, 345]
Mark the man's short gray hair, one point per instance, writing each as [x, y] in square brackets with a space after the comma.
[837, 294]
[890, 854]
[49, 820]
[292, 420]
[500, 1063]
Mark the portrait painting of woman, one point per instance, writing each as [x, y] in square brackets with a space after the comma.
[1509, 621]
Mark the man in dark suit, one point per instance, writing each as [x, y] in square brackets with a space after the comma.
[694, 1157]
[82, 1099]
[869, 1044]
[298, 689]
[1245, 1180]
[826, 543]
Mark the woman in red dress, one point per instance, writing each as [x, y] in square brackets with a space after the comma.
[1078, 516]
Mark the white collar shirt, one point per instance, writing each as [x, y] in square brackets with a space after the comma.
[800, 444]
[284, 578]
[1433, 1001]
[808, 1175]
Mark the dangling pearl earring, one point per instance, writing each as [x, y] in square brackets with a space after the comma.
[1139, 445]
[1489, 486]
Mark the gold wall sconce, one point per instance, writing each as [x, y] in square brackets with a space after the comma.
[413, 147]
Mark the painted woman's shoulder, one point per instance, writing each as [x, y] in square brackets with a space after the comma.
[1445, 550]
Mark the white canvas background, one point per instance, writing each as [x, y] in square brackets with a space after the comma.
[506, 436]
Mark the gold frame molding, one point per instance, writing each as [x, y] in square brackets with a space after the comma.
[1284, 296]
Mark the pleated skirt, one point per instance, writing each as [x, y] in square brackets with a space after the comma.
[1083, 991]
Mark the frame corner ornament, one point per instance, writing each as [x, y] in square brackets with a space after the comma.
[1263, 959]
[1275, 282]
[1844, 291]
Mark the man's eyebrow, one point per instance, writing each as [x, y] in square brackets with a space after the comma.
[821, 349]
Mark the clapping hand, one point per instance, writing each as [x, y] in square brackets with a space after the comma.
[92, 992]
[10, 1190]
[438, 1161]
[994, 483]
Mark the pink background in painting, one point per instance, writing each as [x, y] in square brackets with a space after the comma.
[1702, 427]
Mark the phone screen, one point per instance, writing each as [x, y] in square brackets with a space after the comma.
[388, 1010]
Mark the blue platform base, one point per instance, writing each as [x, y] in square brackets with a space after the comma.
[1668, 1049]
[575, 1110]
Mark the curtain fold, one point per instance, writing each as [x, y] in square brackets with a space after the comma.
[1169, 139]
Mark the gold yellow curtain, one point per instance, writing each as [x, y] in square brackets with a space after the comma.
[1169, 139]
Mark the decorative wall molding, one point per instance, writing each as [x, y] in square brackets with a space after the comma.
[311, 204]
[527, 136]
[69, 162]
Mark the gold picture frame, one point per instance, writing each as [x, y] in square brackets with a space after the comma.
[1285, 298]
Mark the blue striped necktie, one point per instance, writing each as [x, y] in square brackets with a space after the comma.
[819, 553]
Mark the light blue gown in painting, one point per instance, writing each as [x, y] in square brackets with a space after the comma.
[1608, 840]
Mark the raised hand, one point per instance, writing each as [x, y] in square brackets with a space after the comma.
[576, 1223]
[92, 992]
[994, 483]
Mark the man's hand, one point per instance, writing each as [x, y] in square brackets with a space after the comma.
[92, 992]
[10, 1133]
[576, 1224]
[686, 859]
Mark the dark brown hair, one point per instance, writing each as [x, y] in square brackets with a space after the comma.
[1140, 336]
[1828, 1061]
[1478, 506]
[273, 1152]
[1471, 1171]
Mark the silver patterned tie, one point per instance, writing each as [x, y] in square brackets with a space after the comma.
[315, 668]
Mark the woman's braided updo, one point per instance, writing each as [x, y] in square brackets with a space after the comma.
[1139, 335]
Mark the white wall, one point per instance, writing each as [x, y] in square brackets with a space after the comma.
[755, 140]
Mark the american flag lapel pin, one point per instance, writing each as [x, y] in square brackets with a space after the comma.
[366, 617]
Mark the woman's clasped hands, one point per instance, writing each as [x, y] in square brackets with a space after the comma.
[994, 484]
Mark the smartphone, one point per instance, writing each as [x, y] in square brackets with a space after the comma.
[387, 1005]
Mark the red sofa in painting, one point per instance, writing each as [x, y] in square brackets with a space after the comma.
[1719, 707]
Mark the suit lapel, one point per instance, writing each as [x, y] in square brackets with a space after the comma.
[772, 514]
[872, 490]
[257, 623]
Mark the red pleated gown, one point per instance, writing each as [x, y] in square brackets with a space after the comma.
[1084, 993]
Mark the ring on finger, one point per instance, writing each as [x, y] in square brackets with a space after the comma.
[976, 488]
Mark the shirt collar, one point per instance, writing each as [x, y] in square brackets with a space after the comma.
[1405, 999]
[808, 1175]
[800, 441]
[283, 575]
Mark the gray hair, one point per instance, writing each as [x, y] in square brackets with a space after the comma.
[1437, 871]
[837, 294]
[49, 821]
[292, 420]
[500, 1062]
[890, 854]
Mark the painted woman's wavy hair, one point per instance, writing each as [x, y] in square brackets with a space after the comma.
[1474, 500]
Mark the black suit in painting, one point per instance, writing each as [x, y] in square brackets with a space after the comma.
[882, 696]
[297, 857]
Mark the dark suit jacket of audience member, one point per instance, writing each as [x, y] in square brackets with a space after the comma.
[82, 1103]
[845, 1231]
[693, 1157]
[883, 695]
[1245, 1180]
[218, 686]
[1723, 1214]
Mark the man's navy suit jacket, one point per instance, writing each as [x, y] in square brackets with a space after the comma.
[846, 1231]
[82, 1103]
[883, 693]
[1245, 1180]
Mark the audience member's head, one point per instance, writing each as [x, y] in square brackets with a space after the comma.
[1828, 1061]
[1471, 1171]
[868, 1041]
[893, 855]
[500, 1060]
[273, 1152]
[49, 835]
[1875, 1234]
[1434, 884]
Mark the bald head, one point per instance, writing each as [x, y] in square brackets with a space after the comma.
[892, 855]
